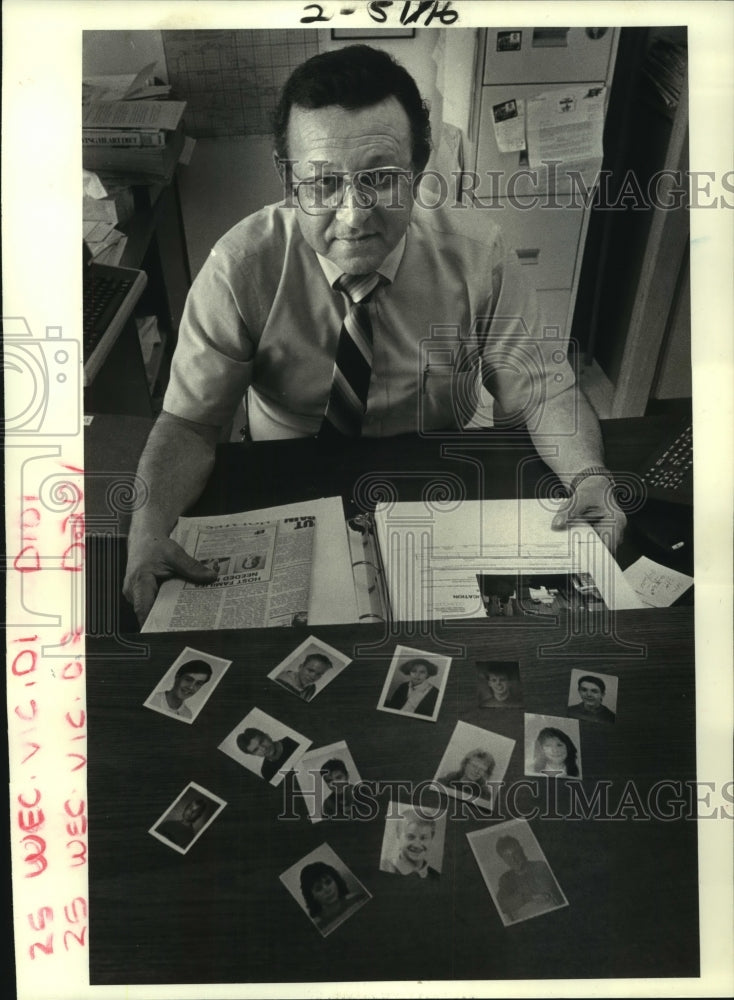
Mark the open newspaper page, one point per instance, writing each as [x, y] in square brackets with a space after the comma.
[263, 578]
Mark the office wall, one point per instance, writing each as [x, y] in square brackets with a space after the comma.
[123, 52]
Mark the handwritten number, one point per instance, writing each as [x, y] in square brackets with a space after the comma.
[319, 16]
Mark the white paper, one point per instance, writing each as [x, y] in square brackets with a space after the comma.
[332, 599]
[508, 118]
[431, 557]
[656, 585]
[566, 125]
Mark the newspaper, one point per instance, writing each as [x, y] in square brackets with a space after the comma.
[263, 577]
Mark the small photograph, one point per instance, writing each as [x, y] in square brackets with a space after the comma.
[309, 668]
[325, 889]
[248, 561]
[509, 41]
[592, 697]
[516, 871]
[327, 777]
[415, 683]
[552, 746]
[535, 594]
[183, 823]
[474, 762]
[498, 684]
[265, 746]
[506, 109]
[187, 685]
[413, 842]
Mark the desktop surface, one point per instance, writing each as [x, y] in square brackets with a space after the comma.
[220, 914]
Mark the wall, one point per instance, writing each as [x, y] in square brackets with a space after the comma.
[122, 52]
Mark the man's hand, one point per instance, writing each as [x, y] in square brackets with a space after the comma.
[152, 559]
[593, 501]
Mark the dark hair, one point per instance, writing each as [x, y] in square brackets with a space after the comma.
[354, 77]
[406, 667]
[572, 753]
[310, 875]
[506, 842]
[590, 679]
[508, 669]
[194, 667]
[318, 656]
[334, 765]
[246, 736]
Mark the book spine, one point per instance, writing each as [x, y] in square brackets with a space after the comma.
[121, 137]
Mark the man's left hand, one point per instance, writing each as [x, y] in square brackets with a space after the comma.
[593, 501]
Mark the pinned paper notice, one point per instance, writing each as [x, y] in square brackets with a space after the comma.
[656, 585]
[566, 125]
[509, 125]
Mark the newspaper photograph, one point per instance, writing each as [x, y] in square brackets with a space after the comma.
[263, 577]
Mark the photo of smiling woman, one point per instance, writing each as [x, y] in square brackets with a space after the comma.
[415, 683]
[552, 747]
[325, 888]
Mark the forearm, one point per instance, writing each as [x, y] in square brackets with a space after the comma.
[567, 436]
[175, 466]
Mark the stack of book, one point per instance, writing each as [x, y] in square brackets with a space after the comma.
[144, 139]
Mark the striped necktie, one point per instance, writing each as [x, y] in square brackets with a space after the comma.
[350, 379]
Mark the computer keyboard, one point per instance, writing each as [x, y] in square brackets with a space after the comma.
[668, 472]
[110, 294]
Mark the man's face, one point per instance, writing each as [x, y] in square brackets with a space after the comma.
[513, 856]
[261, 746]
[500, 685]
[310, 670]
[415, 839]
[591, 695]
[193, 810]
[335, 778]
[188, 684]
[356, 237]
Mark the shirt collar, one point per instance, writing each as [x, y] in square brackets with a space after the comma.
[405, 868]
[388, 268]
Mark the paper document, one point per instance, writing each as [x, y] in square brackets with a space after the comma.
[488, 557]
[133, 114]
[332, 598]
[566, 125]
[656, 585]
[263, 578]
[508, 118]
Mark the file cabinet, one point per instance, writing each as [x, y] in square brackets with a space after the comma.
[547, 232]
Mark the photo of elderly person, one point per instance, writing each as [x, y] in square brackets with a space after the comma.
[473, 777]
[409, 845]
[326, 895]
[555, 754]
[498, 685]
[301, 680]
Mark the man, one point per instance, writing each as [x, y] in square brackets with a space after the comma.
[302, 680]
[336, 778]
[190, 678]
[414, 839]
[181, 831]
[591, 691]
[526, 882]
[319, 309]
[274, 753]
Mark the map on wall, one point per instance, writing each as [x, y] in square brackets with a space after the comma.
[231, 80]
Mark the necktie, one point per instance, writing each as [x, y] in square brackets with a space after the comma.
[350, 379]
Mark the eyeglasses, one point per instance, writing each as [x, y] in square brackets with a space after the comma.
[326, 192]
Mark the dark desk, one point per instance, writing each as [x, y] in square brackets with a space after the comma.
[485, 464]
[220, 914]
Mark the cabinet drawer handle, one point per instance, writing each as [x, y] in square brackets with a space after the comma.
[528, 255]
[550, 38]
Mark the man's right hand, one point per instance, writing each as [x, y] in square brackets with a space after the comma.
[152, 559]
